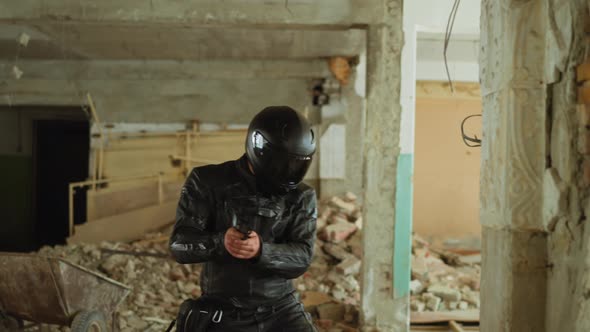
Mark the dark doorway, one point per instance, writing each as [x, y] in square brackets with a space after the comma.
[60, 155]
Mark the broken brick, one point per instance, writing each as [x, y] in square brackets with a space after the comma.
[336, 251]
[338, 232]
[584, 142]
[331, 311]
[584, 93]
[583, 72]
[350, 197]
[349, 266]
[324, 323]
[342, 206]
[345, 328]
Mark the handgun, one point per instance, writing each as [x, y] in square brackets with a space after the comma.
[244, 225]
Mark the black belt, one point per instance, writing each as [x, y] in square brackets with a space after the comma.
[238, 312]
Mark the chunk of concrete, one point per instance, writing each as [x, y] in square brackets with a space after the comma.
[350, 197]
[338, 232]
[416, 286]
[471, 298]
[349, 266]
[417, 305]
[432, 301]
[445, 292]
[451, 305]
[341, 205]
[419, 268]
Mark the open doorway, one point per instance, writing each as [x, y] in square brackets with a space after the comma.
[42, 149]
[446, 174]
[60, 156]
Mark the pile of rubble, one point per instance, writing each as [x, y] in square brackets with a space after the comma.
[159, 285]
[330, 288]
[443, 280]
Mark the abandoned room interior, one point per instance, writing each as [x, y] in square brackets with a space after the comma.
[451, 166]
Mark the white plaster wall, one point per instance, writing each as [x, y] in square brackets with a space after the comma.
[422, 56]
[432, 15]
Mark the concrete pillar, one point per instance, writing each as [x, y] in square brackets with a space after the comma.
[514, 93]
[346, 108]
[527, 84]
[382, 308]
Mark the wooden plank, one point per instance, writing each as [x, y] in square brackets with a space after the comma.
[428, 328]
[466, 316]
[456, 327]
[126, 226]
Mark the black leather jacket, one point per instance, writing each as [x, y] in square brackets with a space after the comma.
[286, 225]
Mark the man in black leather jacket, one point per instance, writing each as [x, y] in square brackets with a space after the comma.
[246, 279]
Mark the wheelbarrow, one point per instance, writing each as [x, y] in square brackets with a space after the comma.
[51, 290]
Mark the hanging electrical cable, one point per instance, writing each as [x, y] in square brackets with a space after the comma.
[472, 142]
[448, 33]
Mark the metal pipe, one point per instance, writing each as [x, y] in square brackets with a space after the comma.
[187, 152]
[122, 179]
[160, 189]
[101, 134]
[94, 168]
[71, 209]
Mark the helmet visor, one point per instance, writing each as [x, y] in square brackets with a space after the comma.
[283, 167]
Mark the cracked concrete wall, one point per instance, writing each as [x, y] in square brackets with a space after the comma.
[534, 271]
[382, 309]
[567, 190]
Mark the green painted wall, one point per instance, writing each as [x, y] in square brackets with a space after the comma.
[16, 183]
[403, 225]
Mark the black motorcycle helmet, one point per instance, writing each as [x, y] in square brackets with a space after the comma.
[280, 145]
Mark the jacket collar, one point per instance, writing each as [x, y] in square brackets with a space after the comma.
[244, 171]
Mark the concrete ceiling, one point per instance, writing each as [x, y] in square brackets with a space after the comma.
[144, 41]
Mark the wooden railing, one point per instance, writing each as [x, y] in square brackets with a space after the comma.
[95, 183]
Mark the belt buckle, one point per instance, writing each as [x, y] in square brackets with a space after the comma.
[217, 316]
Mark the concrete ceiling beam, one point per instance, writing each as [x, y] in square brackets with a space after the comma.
[207, 12]
[66, 40]
[165, 69]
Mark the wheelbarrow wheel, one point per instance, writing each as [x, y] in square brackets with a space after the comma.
[89, 321]
[9, 323]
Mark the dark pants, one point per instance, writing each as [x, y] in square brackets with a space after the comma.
[287, 315]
